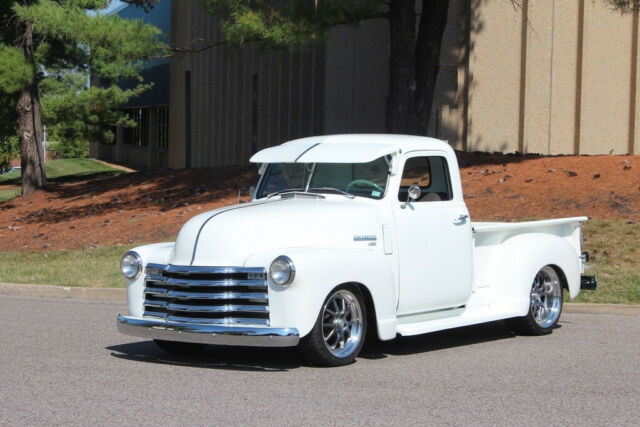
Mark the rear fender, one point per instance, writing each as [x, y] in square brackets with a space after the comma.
[524, 255]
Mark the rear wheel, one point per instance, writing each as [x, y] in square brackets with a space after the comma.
[338, 335]
[545, 304]
[176, 347]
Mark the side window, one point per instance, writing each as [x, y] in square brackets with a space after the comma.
[431, 174]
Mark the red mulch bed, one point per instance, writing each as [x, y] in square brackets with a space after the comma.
[152, 206]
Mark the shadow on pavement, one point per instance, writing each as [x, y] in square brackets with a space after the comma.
[402, 346]
[213, 357]
[283, 359]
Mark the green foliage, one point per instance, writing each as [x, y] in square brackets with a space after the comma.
[15, 71]
[9, 150]
[76, 114]
[625, 5]
[9, 146]
[293, 24]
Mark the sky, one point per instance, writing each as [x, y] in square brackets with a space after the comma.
[114, 4]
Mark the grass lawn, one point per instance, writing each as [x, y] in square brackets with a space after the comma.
[64, 170]
[9, 193]
[613, 244]
[94, 268]
[615, 252]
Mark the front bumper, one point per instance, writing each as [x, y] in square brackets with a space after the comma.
[208, 334]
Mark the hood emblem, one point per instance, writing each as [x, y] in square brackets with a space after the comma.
[365, 238]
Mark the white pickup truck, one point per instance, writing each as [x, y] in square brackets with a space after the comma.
[348, 236]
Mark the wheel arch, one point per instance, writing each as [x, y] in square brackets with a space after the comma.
[372, 318]
[563, 277]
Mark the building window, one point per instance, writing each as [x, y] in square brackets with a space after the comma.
[138, 135]
[162, 127]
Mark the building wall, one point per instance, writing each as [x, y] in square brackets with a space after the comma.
[356, 78]
[180, 65]
[243, 100]
[551, 77]
[554, 77]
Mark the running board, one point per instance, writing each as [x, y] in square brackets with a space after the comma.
[467, 317]
[424, 316]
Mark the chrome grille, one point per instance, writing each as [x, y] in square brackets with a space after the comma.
[216, 295]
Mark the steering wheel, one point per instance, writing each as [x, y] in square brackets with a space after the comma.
[365, 182]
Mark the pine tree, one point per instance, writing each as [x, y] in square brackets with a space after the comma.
[44, 38]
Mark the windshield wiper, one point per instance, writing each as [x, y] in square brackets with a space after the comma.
[337, 190]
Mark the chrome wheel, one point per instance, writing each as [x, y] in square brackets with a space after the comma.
[342, 323]
[546, 297]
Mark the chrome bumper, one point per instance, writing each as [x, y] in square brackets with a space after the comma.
[208, 334]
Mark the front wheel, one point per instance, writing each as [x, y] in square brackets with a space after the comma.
[338, 334]
[545, 305]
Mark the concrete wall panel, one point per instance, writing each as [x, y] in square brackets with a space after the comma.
[538, 90]
[356, 79]
[606, 81]
[494, 76]
[563, 77]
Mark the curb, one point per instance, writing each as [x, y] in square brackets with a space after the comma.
[120, 295]
[619, 309]
[51, 291]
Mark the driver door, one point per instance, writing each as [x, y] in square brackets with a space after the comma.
[435, 241]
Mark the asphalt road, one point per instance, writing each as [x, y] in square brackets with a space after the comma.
[63, 362]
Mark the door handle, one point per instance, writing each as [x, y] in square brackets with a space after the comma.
[461, 217]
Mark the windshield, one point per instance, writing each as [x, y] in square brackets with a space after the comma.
[360, 179]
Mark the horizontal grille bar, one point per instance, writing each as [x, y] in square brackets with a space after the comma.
[187, 270]
[159, 280]
[182, 295]
[216, 295]
[209, 308]
[212, 321]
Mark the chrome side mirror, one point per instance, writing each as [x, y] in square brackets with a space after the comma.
[413, 194]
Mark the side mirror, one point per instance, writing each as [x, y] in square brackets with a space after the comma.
[413, 194]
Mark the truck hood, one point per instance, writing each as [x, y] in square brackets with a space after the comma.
[227, 236]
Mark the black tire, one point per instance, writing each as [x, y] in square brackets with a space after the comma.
[545, 305]
[350, 319]
[176, 347]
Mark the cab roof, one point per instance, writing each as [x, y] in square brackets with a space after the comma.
[349, 148]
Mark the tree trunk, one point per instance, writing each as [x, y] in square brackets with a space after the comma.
[428, 47]
[30, 126]
[402, 67]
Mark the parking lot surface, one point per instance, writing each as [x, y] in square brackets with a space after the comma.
[63, 362]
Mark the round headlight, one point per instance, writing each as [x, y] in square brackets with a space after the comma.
[282, 271]
[131, 265]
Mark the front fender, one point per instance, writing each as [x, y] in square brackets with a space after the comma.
[318, 272]
[524, 255]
